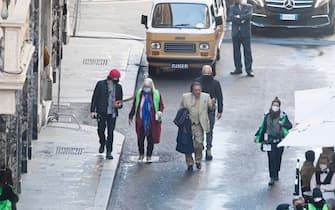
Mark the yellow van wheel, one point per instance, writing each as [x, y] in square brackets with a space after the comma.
[218, 56]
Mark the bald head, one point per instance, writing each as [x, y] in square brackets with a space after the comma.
[206, 70]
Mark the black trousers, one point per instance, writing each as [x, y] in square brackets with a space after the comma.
[108, 121]
[239, 40]
[140, 142]
[275, 157]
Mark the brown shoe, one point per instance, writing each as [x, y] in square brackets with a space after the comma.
[198, 165]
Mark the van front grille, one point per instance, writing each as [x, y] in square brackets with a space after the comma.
[290, 4]
[180, 47]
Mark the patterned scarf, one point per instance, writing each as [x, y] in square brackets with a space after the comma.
[146, 113]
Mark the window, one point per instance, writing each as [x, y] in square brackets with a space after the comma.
[173, 15]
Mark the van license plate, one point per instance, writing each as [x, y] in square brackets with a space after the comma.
[179, 66]
[291, 17]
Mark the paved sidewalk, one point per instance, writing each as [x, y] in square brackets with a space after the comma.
[88, 60]
[67, 172]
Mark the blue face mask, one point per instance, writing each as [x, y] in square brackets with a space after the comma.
[147, 90]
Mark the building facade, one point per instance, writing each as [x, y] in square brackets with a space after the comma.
[31, 40]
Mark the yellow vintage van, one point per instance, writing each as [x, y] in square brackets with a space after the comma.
[184, 34]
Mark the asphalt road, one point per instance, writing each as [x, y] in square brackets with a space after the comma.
[237, 177]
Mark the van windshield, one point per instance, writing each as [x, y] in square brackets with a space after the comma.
[181, 15]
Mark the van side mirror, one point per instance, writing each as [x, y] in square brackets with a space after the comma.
[218, 20]
[144, 21]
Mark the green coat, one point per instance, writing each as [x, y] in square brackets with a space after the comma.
[312, 207]
[5, 204]
[287, 125]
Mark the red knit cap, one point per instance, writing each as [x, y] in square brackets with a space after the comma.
[114, 74]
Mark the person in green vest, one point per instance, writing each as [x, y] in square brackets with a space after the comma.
[8, 197]
[147, 109]
[318, 203]
[274, 128]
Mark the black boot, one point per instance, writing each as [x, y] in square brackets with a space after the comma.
[102, 148]
[109, 152]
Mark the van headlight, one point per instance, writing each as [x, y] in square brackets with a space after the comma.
[155, 45]
[204, 46]
[259, 2]
[320, 3]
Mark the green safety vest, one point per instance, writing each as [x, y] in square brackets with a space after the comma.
[5, 204]
[156, 99]
[312, 207]
[261, 129]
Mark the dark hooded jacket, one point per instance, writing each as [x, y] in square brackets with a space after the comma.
[184, 138]
[213, 88]
[99, 101]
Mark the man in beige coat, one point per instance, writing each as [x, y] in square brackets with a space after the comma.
[198, 104]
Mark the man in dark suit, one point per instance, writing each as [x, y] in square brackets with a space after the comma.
[241, 14]
[106, 100]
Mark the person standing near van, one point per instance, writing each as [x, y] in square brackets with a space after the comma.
[274, 128]
[106, 100]
[213, 88]
[240, 15]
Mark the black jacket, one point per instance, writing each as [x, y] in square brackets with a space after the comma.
[241, 24]
[184, 138]
[100, 96]
[213, 88]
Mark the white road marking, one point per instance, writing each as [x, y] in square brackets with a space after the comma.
[154, 159]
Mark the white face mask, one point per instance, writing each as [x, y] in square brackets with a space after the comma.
[275, 108]
[323, 167]
[244, 1]
[317, 199]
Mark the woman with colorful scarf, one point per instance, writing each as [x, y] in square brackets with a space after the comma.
[147, 109]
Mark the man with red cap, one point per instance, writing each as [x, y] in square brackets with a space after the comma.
[106, 100]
